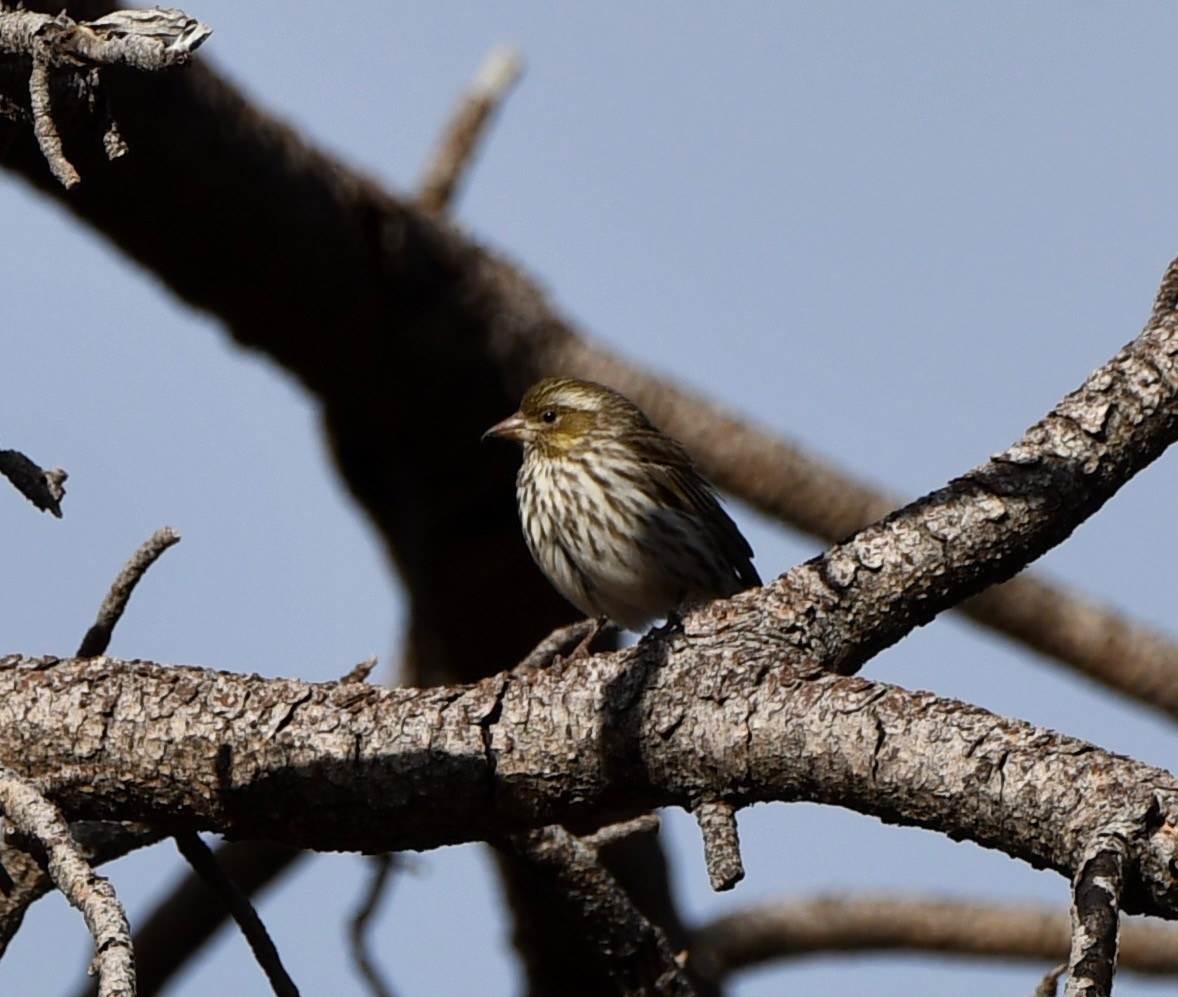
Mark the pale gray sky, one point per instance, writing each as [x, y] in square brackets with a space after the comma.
[896, 232]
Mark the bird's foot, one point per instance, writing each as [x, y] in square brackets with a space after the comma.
[547, 654]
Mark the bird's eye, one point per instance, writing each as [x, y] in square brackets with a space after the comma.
[548, 415]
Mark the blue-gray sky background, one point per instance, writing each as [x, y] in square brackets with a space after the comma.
[896, 232]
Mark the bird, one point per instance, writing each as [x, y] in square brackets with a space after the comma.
[614, 511]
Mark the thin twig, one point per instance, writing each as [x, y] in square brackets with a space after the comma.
[636, 952]
[611, 834]
[44, 127]
[382, 866]
[454, 152]
[98, 841]
[182, 923]
[97, 638]
[1049, 985]
[361, 671]
[200, 857]
[1096, 897]
[717, 825]
[27, 811]
[41, 487]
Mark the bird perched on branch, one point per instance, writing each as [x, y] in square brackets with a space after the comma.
[614, 511]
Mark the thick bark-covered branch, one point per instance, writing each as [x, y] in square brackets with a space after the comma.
[337, 766]
[785, 480]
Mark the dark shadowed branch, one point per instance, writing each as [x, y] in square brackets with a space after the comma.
[190, 915]
[45, 489]
[381, 868]
[639, 958]
[210, 870]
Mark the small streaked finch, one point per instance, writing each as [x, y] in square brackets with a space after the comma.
[614, 511]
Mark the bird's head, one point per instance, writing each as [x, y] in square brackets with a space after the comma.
[559, 414]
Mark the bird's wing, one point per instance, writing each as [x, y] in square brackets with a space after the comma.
[692, 492]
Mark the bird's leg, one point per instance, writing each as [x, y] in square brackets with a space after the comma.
[582, 649]
[673, 622]
[547, 652]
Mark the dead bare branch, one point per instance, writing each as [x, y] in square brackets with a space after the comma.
[185, 920]
[98, 841]
[717, 825]
[97, 638]
[643, 725]
[611, 834]
[809, 492]
[148, 40]
[27, 811]
[361, 671]
[201, 858]
[452, 157]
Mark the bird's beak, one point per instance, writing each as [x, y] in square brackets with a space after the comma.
[511, 428]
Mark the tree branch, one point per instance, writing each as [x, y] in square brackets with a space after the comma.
[639, 959]
[451, 159]
[636, 729]
[43, 488]
[1096, 900]
[381, 867]
[97, 638]
[28, 812]
[148, 40]
[237, 903]
[784, 480]
[717, 824]
[98, 842]
[186, 919]
[821, 925]
[832, 612]
[485, 326]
